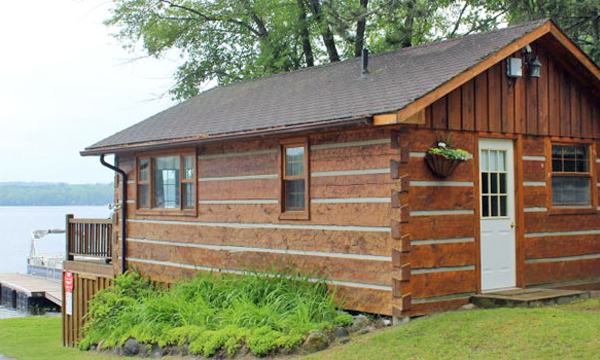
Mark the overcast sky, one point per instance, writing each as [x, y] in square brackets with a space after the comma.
[65, 83]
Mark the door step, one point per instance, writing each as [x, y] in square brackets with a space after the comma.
[527, 297]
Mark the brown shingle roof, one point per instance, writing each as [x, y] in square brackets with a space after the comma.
[324, 93]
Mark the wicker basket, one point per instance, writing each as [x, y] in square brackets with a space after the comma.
[440, 165]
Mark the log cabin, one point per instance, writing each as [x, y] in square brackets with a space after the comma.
[323, 169]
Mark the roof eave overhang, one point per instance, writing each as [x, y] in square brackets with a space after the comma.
[196, 141]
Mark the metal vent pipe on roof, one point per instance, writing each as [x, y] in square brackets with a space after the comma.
[365, 62]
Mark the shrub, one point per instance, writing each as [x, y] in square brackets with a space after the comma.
[213, 311]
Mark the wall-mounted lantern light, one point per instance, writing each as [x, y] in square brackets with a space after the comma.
[535, 67]
[514, 67]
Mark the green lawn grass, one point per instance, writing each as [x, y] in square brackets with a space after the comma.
[569, 331]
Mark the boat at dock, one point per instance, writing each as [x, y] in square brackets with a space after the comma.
[47, 266]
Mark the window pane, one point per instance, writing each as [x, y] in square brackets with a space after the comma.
[143, 196]
[294, 161]
[493, 160]
[144, 170]
[485, 186]
[571, 190]
[294, 194]
[494, 205]
[503, 183]
[494, 183]
[188, 195]
[188, 166]
[484, 160]
[570, 158]
[166, 182]
[502, 160]
[485, 206]
[503, 206]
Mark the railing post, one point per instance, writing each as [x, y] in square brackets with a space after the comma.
[68, 237]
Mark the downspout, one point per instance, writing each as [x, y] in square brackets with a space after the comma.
[123, 210]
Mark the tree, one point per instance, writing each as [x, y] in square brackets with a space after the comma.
[234, 40]
[580, 19]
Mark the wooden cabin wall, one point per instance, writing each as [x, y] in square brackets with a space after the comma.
[553, 249]
[440, 228]
[347, 239]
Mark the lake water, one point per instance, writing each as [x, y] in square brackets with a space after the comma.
[16, 223]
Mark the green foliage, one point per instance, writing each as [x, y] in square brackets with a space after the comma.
[52, 194]
[234, 40]
[212, 312]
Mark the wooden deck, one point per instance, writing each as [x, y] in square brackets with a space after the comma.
[528, 297]
[33, 286]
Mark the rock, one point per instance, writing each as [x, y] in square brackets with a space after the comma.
[400, 320]
[242, 352]
[366, 330]
[93, 347]
[177, 350]
[316, 341]
[360, 322]
[157, 352]
[340, 332]
[131, 347]
[344, 341]
[468, 307]
[387, 322]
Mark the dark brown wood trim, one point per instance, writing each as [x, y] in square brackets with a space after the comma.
[300, 214]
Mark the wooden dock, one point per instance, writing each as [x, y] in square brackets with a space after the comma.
[31, 287]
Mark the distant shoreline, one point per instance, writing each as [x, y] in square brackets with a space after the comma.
[55, 194]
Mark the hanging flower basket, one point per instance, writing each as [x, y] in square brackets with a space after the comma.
[443, 160]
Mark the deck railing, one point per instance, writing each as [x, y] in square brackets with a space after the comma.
[89, 238]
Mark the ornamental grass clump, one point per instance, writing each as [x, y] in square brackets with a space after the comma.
[212, 312]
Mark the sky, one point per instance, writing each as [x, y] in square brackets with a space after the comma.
[66, 83]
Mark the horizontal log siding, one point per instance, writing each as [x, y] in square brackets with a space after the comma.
[441, 225]
[557, 247]
[347, 238]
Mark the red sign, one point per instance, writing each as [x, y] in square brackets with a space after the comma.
[68, 281]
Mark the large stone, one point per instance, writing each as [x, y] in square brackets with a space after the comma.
[316, 341]
[360, 322]
[157, 352]
[340, 332]
[131, 348]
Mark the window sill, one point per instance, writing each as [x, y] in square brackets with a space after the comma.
[166, 212]
[294, 215]
[572, 210]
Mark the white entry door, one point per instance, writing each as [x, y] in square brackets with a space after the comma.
[497, 200]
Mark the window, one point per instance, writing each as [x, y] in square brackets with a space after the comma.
[166, 182]
[571, 175]
[494, 193]
[295, 178]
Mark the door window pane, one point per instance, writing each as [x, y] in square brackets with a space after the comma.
[484, 160]
[493, 160]
[166, 182]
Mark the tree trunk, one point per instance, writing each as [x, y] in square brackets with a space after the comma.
[408, 24]
[305, 36]
[361, 25]
[328, 40]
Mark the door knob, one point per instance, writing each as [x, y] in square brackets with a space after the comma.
[512, 224]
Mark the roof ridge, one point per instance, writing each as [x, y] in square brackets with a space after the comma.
[406, 49]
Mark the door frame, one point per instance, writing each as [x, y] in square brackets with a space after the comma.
[518, 199]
